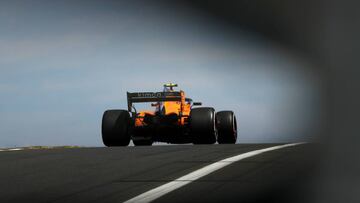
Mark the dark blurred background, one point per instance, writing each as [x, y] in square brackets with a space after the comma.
[327, 33]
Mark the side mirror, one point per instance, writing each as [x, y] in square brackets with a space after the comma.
[154, 104]
[197, 103]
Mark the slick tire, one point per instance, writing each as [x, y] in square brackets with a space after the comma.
[226, 127]
[202, 125]
[115, 125]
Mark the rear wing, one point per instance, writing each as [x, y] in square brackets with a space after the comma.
[139, 97]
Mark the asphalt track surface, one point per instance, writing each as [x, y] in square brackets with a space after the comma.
[121, 173]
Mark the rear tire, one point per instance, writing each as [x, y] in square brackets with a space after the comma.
[115, 125]
[226, 127]
[202, 125]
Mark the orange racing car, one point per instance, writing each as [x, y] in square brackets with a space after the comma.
[174, 120]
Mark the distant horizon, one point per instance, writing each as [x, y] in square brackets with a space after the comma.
[132, 145]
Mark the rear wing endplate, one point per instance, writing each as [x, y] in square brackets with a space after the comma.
[139, 97]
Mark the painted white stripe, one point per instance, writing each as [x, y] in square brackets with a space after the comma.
[14, 149]
[186, 179]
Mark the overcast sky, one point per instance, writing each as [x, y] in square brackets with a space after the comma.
[63, 64]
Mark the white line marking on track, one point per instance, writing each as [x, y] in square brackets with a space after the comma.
[7, 150]
[186, 179]
[15, 149]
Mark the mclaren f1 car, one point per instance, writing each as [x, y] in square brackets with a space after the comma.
[173, 119]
